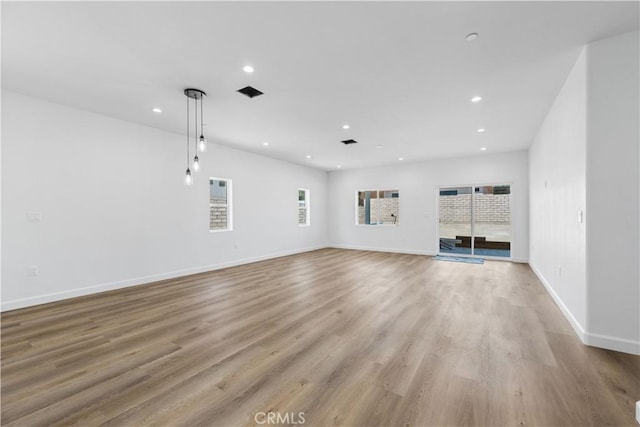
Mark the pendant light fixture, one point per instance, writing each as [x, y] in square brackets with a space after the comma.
[196, 95]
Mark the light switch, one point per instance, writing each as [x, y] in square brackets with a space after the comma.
[580, 215]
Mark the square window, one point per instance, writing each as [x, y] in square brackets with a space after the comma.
[377, 207]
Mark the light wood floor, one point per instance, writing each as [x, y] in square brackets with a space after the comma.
[346, 337]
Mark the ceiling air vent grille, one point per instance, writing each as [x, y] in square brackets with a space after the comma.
[349, 141]
[249, 91]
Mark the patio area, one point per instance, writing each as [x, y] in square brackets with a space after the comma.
[493, 231]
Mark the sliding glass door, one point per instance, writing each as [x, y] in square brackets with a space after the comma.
[475, 220]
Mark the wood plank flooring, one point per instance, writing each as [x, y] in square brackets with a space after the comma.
[348, 338]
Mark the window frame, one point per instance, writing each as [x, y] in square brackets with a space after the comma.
[377, 191]
[228, 205]
[307, 207]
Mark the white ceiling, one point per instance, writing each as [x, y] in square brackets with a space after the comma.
[399, 73]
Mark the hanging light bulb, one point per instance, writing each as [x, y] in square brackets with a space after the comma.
[203, 144]
[188, 179]
[196, 163]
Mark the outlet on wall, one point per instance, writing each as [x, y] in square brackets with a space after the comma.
[33, 216]
[33, 270]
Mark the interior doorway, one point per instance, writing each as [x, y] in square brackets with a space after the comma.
[475, 220]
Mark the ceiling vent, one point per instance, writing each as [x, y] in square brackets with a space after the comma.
[349, 141]
[251, 92]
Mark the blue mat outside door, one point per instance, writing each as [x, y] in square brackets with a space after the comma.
[459, 259]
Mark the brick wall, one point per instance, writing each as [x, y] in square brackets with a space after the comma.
[381, 210]
[488, 208]
[302, 216]
[217, 215]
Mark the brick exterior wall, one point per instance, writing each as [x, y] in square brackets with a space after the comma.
[381, 210]
[302, 216]
[488, 208]
[218, 215]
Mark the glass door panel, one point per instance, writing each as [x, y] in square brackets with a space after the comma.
[492, 220]
[455, 220]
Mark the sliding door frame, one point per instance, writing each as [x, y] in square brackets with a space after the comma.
[473, 187]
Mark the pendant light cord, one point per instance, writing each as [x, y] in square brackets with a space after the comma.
[188, 155]
[195, 134]
[201, 116]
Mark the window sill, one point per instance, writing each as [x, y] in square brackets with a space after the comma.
[220, 231]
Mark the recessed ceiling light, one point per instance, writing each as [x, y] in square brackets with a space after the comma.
[308, 156]
[338, 166]
[345, 126]
[471, 37]
[483, 149]
[247, 69]
[476, 99]
[378, 146]
[481, 130]
[401, 158]
[265, 144]
[157, 110]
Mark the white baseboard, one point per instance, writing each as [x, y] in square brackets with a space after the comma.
[377, 249]
[103, 287]
[613, 343]
[577, 327]
[587, 338]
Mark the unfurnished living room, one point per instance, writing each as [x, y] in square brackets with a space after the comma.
[320, 213]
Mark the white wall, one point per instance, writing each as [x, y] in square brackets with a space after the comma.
[613, 233]
[418, 184]
[587, 151]
[115, 211]
[557, 173]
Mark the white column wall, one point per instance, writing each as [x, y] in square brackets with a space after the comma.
[557, 176]
[613, 232]
[585, 157]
